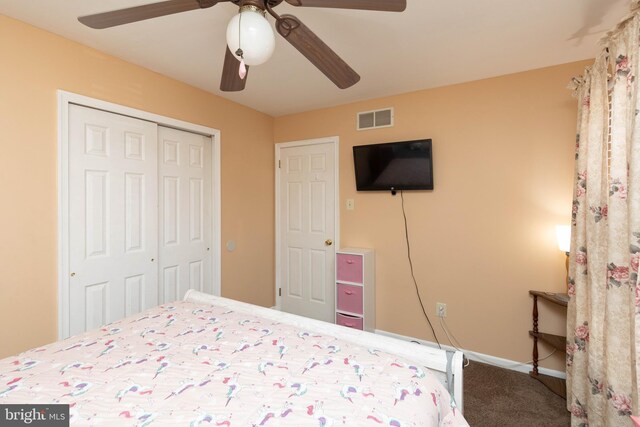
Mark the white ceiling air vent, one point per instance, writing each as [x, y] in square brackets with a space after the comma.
[375, 119]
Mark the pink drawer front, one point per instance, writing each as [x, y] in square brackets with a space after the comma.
[349, 268]
[349, 321]
[349, 298]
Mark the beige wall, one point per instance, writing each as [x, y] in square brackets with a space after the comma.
[35, 64]
[503, 164]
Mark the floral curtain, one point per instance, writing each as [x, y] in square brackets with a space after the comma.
[603, 318]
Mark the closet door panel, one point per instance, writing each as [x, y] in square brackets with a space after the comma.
[185, 200]
[113, 174]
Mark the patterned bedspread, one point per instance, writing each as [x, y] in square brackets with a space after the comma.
[196, 364]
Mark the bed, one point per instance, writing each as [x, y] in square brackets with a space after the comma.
[208, 360]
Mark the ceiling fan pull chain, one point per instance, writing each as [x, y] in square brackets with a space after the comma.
[242, 71]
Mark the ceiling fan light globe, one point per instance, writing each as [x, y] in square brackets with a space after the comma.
[255, 38]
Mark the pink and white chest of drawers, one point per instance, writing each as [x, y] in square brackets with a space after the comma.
[355, 289]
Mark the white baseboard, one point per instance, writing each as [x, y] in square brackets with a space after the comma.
[480, 357]
[275, 307]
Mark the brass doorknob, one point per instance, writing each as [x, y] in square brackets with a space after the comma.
[328, 242]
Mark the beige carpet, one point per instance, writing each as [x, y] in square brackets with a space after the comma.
[496, 397]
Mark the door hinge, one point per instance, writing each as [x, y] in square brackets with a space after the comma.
[279, 292]
[279, 164]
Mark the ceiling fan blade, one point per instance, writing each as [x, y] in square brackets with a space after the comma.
[231, 81]
[140, 13]
[382, 5]
[316, 51]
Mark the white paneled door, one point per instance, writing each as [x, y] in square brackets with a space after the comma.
[307, 203]
[113, 217]
[140, 216]
[185, 213]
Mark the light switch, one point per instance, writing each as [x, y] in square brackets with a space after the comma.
[350, 204]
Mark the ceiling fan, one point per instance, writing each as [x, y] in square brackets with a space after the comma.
[237, 55]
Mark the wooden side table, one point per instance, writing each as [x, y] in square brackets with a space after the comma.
[556, 385]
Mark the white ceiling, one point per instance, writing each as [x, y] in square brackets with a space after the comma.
[433, 43]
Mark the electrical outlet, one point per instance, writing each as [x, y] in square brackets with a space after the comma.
[350, 204]
[441, 309]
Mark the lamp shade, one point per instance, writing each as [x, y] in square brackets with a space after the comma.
[563, 237]
[250, 31]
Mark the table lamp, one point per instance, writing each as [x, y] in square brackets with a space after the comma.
[563, 237]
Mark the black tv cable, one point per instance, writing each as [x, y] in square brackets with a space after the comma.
[415, 282]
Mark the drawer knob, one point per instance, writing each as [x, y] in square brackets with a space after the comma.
[348, 292]
[349, 261]
[350, 325]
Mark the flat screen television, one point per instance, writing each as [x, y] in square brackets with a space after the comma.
[406, 165]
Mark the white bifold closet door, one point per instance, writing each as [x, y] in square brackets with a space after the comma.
[140, 216]
[113, 217]
[185, 213]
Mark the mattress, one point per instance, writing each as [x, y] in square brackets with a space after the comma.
[193, 363]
